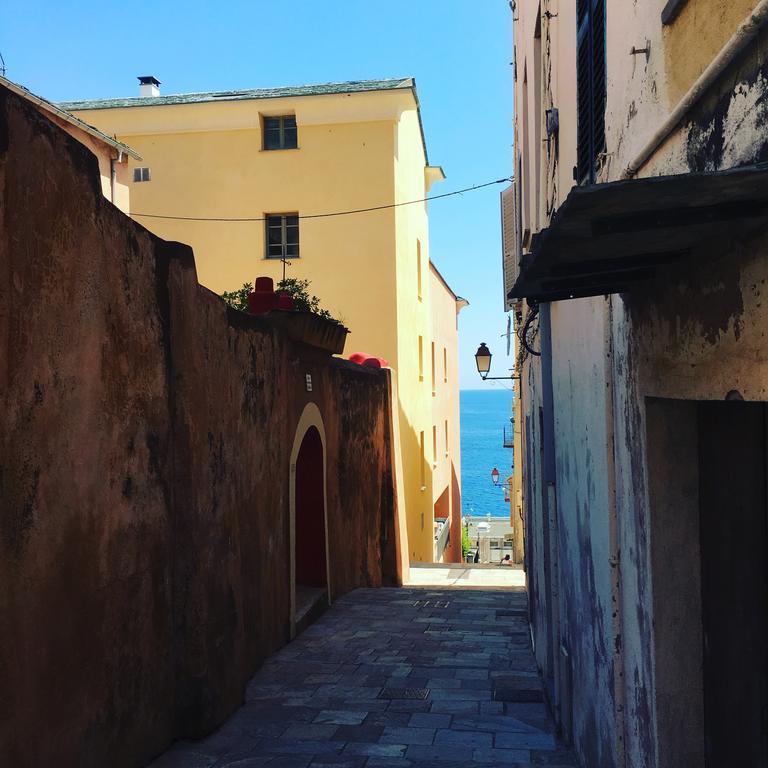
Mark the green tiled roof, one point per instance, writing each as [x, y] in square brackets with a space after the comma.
[352, 86]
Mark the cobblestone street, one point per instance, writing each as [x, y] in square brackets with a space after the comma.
[393, 678]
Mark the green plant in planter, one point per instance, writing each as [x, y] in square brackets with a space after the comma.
[297, 289]
[238, 299]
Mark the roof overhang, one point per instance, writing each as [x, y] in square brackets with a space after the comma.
[608, 237]
[62, 114]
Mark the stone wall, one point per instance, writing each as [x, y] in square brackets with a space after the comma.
[145, 439]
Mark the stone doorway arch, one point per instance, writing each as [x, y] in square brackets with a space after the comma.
[309, 564]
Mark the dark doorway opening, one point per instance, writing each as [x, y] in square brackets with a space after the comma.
[734, 582]
[708, 489]
[310, 542]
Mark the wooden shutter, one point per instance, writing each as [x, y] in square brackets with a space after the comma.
[510, 240]
[591, 85]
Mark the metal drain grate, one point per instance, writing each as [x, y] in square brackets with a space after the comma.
[433, 603]
[411, 694]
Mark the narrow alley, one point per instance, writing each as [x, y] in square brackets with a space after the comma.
[394, 677]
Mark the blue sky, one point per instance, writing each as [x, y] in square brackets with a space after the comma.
[458, 51]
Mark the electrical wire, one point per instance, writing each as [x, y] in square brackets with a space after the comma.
[327, 215]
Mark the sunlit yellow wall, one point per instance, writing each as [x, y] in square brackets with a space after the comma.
[696, 36]
[444, 384]
[355, 151]
[414, 321]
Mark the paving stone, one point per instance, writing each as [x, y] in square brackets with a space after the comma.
[509, 740]
[368, 733]
[464, 738]
[455, 707]
[181, 758]
[555, 759]
[388, 718]
[291, 746]
[429, 720]
[310, 731]
[317, 701]
[340, 717]
[439, 754]
[388, 762]
[407, 735]
[501, 756]
[341, 761]
[472, 673]
[375, 750]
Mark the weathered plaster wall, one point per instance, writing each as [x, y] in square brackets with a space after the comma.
[579, 387]
[696, 332]
[145, 434]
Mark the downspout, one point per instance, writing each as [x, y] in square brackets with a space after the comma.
[113, 175]
[614, 547]
[746, 32]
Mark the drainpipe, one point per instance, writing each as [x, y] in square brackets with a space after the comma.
[113, 175]
[614, 545]
[746, 32]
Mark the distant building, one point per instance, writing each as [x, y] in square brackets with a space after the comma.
[445, 446]
[639, 276]
[112, 155]
[281, 156]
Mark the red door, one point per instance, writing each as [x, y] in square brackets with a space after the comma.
[310, 513]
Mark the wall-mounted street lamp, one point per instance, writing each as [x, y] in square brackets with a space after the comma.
[483, 361]
[495, 476]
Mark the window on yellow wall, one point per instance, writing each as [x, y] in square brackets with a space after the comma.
[423, 464]
[418, 268]
[434, 446]
[280, 132]
[445, 365]
[446, 437]
[421, 358]
[282, 231]
[434, 387]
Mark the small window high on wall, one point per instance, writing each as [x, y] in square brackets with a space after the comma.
[282, 231]
[591, 87]
[142, 174]
[280, 132]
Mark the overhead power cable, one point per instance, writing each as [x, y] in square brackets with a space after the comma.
[328, 215]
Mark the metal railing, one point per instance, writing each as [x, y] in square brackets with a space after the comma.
[509, 436]
[441, 540]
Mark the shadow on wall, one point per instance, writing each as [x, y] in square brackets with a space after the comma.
[145, 442]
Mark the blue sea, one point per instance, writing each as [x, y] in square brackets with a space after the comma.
[484, 413]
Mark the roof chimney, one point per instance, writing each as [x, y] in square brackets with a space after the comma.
[148, 86]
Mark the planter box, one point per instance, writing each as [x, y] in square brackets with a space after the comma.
[310, 329]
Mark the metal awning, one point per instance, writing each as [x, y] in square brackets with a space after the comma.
[607, 237]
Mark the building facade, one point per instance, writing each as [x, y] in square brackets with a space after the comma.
[639, 288]
[444, 444]
[278, 161]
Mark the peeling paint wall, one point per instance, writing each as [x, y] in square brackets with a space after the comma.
[697, 332]
[145, 436]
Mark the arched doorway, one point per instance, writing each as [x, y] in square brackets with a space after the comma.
[311, 569]
[310, 587]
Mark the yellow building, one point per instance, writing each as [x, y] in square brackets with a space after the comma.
[444, 444]
[277, 161]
